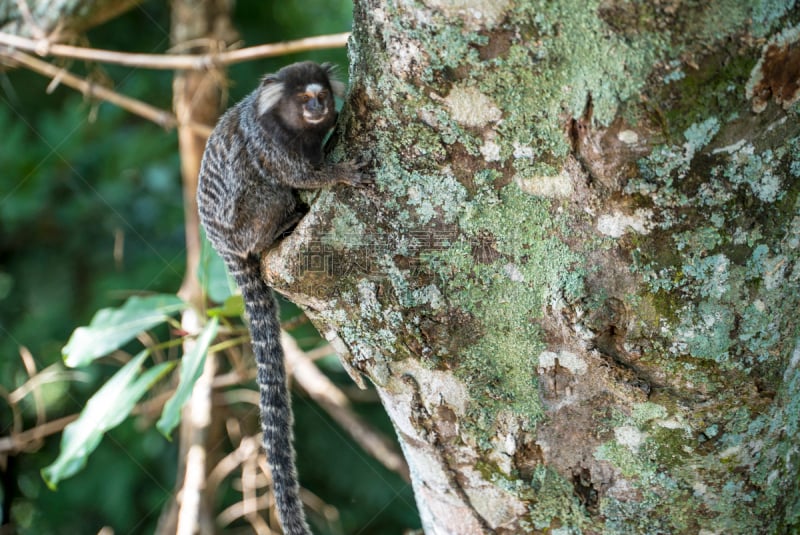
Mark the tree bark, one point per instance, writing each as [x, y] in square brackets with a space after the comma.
[575, 280]
[56, 19]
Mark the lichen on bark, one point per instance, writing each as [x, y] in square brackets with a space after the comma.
[582, 249]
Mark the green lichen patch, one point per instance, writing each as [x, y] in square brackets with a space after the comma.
[714, 88]
[719, 266]
[521, 264]
[723, 257]
[722, 270]
[662, 508]
[473, 12]
[648, 447]
[695, 25]
[555, 504]
[347, 231]
[559, 66]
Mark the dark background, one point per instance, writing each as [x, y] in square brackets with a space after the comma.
[78, 177]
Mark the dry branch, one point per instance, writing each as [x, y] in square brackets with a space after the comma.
[161, 117]
[44, 47]
[328, 396]
[19, 441]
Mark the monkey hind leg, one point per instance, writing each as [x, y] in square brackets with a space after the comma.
[287, 227]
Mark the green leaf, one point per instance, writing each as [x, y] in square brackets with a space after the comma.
[191, 368]
[233, 307]
[111, 328]
[106, 409]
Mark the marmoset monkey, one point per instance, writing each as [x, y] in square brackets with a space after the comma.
[262, 150]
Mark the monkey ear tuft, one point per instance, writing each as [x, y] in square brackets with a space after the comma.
[330, 69]
[270, 93]
[337, 85]
[269, 79]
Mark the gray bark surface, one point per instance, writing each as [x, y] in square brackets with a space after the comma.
[57, 19]
[575, 281]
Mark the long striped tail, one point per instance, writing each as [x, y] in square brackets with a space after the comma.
[276, 410]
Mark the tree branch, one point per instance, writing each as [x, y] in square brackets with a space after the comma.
[196, 421]
[333, 401]
[161, 117]
[18, 441]
[43, 47]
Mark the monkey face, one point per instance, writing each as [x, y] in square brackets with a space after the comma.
[300, 97]
[316, 103]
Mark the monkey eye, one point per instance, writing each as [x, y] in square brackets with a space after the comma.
[304, 97]
[322, 95]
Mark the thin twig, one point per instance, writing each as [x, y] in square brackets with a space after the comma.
[51, 374]
[249, 481]
[175, 61]
[195, 424]
[161, 117]
[319, 352]
[17, 442]
[248, 447]
[236, 511]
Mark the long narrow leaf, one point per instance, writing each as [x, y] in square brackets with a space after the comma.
[111, 328]
[191, 367]
[106, 409]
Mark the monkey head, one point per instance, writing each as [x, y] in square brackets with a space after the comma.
[300, 96]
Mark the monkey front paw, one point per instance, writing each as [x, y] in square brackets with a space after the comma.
[354, 173]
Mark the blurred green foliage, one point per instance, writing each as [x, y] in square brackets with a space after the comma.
[91, 213]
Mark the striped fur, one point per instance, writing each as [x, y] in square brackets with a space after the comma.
[258, 155]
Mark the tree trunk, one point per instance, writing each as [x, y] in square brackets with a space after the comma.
[575, 280]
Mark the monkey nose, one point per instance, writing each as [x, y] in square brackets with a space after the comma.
[315, 105]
